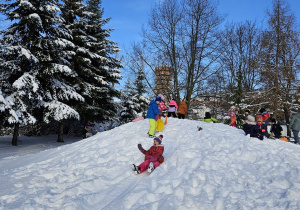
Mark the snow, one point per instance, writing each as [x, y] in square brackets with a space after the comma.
[215, 168]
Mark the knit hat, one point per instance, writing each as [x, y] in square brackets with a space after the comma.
[159, 138]
[273, 120]
[158, 98]
[262, 110]
[259, 118]
[294, 110]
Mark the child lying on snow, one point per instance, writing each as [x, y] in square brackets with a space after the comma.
[153, 157]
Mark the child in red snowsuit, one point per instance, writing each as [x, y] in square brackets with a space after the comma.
[153, 156]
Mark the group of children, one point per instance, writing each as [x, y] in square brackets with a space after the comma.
[154, 156]
[258, 127]
[157, 106]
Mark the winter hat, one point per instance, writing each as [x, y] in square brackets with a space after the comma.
[259, 118]
[161, 96]
[294, 110]
[207, 115]
[250, 120]
[262, 110]
[232, 107]
[159, 138]
[158, 98]
[273, 121]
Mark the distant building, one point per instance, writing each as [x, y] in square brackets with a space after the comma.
[163, 81]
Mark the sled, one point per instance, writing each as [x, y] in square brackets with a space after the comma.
[166, 120]
[283, 138]
[160, 125]
[138, 119]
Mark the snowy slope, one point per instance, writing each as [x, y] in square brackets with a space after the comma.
[216, 168]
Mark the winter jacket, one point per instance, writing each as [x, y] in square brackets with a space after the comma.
[276, 129]
[154, 153]
[231, 114]
[172, 106]
[295, 122]
[249, 124]
[259, 131]
[161, 106]
[208, 118]
[265, 116]
[182, 108]
[153, 110]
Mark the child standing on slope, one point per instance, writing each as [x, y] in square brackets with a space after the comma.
[208, 118]
[259, 130]
[152, 113]
[153, 156]
[172, 108]
[276, 129]
[232, 115]
[182, 110]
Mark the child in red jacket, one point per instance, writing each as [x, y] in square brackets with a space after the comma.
[153, 156]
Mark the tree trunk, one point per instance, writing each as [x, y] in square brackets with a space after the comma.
[60, 132]
[14, 141]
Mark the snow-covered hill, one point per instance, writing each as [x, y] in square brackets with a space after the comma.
[216, 168]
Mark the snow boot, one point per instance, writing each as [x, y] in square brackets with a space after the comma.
[136, 169]
[151, 136]
[151, 167]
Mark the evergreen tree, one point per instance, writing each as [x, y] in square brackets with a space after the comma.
[97, 67]
[35, 66]
[129, 106]
[140, 88]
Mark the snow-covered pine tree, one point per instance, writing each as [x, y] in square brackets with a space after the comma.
[128, 106]
[99, 69]
[35, 64]
[140, 90]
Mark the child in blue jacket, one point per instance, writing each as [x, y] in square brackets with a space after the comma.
[152, 112]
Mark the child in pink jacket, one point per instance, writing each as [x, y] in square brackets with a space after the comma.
[172, 108]
[153, 156]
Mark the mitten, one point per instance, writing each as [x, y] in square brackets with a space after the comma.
[281, 132]
[140, 146]
[270, 133]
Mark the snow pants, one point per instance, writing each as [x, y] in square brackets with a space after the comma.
[145, 165]
[296, 137]
[153, 125]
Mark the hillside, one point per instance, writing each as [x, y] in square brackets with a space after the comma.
[216, 168]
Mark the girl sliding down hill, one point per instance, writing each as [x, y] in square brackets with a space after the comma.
[153, 156]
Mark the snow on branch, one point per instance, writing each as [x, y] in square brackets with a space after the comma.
[26, 81]
[66, 92]
[59, 111]
[59, 68]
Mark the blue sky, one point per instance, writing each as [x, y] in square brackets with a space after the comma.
[128, 16]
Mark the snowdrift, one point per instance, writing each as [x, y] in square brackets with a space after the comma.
[215, 168]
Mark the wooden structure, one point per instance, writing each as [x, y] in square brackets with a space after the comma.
[163, 81]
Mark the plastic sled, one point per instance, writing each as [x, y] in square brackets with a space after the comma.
[166, 120]
[160, 125]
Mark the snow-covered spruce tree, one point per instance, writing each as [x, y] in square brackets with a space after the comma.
[35, 52]
[95, 64]
[140, 89]
[128, 105]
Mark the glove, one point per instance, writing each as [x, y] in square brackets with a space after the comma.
[263, 130]
[281, 132]
[140, 146]
[270, 133]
